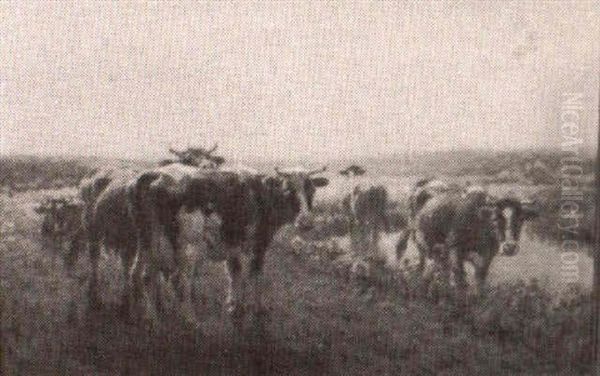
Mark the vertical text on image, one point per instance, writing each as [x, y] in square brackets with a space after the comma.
[571, 172]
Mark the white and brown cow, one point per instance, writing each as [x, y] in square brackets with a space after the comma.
[217, 216]
[453, 227]
[108, 222]
[367, 211]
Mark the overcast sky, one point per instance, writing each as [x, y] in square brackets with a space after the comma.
[292, 79]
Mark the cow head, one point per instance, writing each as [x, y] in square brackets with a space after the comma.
[298, 188]
[199, 157]
[353, 171]
[507, 216]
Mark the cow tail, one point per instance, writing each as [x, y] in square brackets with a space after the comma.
[383, 200]
[385, 220]
[138, 197]
[402, 243]
[75, 248]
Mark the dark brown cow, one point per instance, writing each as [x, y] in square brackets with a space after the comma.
[215, 215]
[453, 228]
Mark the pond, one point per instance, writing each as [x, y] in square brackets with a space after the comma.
[537, 259]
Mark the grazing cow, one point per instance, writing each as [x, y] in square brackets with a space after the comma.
[455, 227]
[62, 222]
[215, 215]
[107, 222]
[61, 216]
[198, 157]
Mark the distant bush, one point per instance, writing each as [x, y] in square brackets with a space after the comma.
[26, 173]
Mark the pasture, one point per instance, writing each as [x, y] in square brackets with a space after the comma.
[322, 317]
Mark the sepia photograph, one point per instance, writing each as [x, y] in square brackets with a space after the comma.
[299, 187]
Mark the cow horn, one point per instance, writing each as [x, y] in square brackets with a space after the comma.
[281, 173]
[175, 152]
[318, 171]
[212, 150]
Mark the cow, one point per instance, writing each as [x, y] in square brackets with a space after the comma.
[422, 191]
[418, 195]
[198, 157]
[453, 227]
[108, 223]
[62, 222]
[218, 216]
[367, 211]
[353, 170]
[47, 209]
[60, 214]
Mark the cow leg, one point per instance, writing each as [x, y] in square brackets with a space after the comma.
[402, 243]
[197, 294]
[426, 274]
[481, 271]
[140, 276]
[375, 239]
[186, 271]
[152, 295]
[46, 225]
[73, 250]
[443, 261]
[145, 274]
[93, 295]
[422, 248]
[257, 277]
[422, 261]
[458, 269]
[128, 260]
[186, 260]
[235, 294]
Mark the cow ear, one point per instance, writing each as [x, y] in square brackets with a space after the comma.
[320, 182]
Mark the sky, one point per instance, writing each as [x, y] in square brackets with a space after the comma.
[293, 79]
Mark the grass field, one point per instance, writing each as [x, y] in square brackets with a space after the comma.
[321, 318]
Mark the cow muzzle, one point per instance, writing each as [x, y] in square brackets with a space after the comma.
[509, 248]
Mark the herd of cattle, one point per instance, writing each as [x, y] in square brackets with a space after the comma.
[164, 222]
